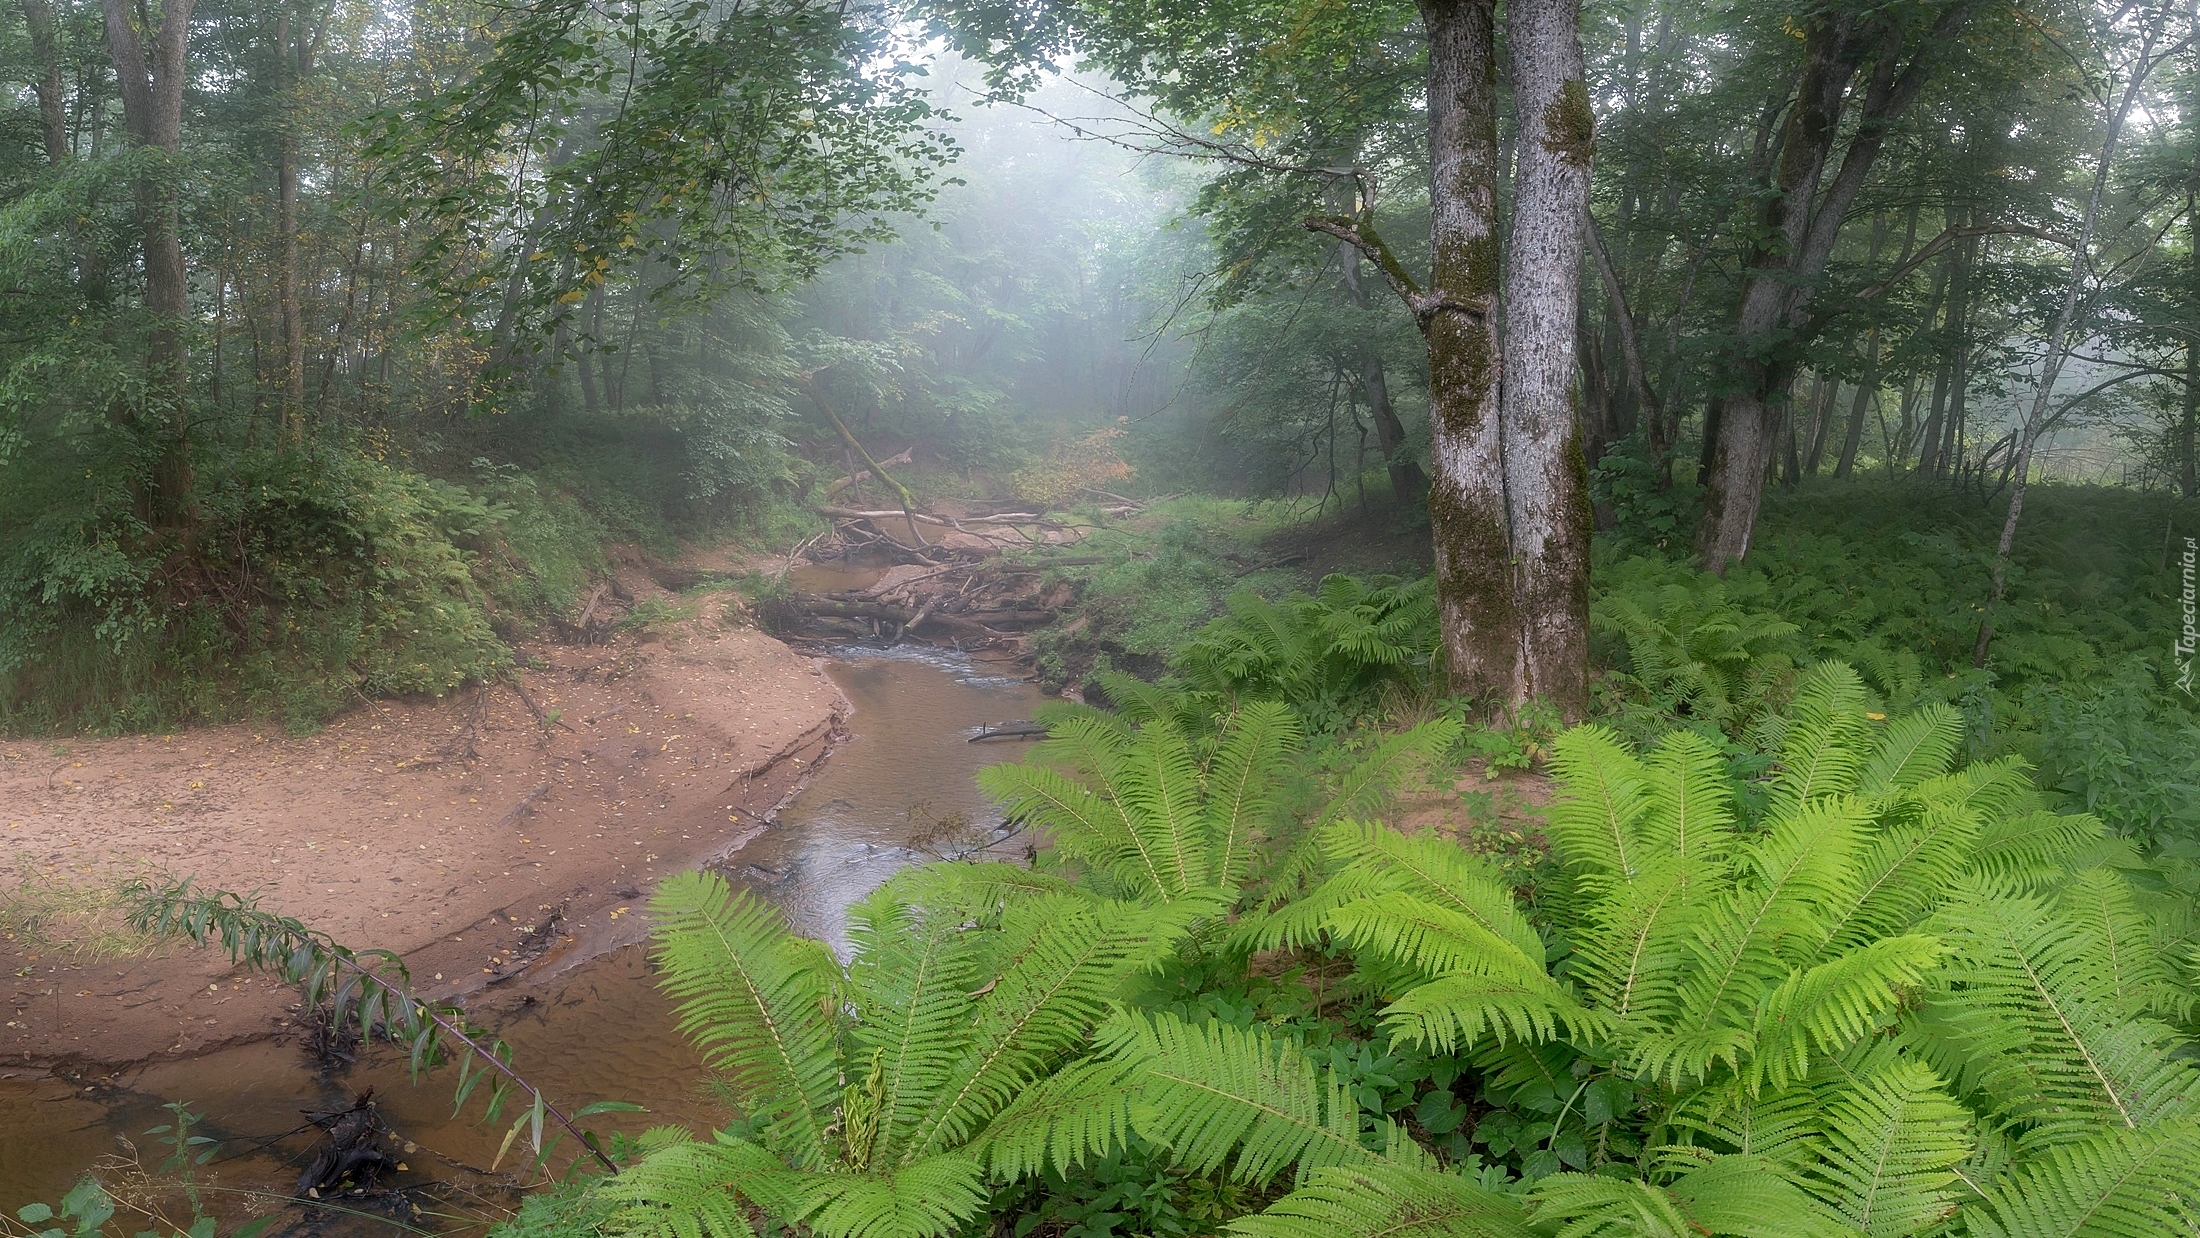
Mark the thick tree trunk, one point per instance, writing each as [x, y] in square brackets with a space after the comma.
[1481, 627]
[152, 106]
[1547, 487]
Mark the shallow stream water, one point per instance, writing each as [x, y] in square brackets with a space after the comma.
[897, 792]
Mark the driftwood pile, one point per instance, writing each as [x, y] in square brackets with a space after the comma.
[969, 602]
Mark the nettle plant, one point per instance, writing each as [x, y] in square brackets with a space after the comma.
[1900, 1000]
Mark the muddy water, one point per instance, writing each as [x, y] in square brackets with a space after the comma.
[898, 792]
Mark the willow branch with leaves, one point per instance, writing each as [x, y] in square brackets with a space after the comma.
[364, 988]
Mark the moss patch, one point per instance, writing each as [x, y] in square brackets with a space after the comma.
[1569, 126]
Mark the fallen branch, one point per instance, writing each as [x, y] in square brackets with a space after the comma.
[808, 383]
[862, 475]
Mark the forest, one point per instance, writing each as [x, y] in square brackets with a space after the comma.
[1066, 618]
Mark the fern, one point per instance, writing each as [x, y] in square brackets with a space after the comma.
[1215, 1093]
[880, 1089]
[2114, 1184]
[1890, 1148]
[757, 1002]
[1388, 1201]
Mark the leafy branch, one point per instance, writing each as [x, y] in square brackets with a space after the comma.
[369, 989]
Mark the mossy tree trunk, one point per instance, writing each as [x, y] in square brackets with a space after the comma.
[1546, 482]
[1481, 622]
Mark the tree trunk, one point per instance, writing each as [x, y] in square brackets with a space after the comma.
[2058, 345]
[1797, 231]
[1854, 439]
[1407, 482]
[2191, 422]
[152, 109]
[53, 112]
[1546, 485]
[294, 67]
[1481, 628]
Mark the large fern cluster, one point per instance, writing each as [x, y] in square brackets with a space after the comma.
[869, 1089]
[1904, 1001]
[1163, 800]
[1329, 654]
[1899, 999]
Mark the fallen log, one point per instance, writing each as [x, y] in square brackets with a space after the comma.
[812, 604]
[1012, 730]
[1047, 564]
[1009, 616]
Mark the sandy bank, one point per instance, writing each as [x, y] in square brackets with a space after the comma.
[479, 839]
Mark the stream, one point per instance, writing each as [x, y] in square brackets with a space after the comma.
[898, 792]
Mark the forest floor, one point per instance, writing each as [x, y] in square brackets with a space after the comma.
[500, 831]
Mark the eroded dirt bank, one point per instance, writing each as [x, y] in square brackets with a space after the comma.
[482, 836]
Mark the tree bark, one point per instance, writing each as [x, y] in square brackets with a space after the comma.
[2058, 345]
[53, 112]
[1799, 230]
[1467, 517]
[1546, 484]
[1407, 482]
[294, 65]
[2186, 429]
[1854, 439]
[152, 107]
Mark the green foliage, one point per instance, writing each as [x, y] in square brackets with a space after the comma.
[317, 576]
[874, 1091]
[1330, 653]
[368, 993]
[1903, 994]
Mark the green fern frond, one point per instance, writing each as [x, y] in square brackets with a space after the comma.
[1079, 1113]
[2101, 906]
[1213, 1090]
[1914, 747]
[1779, 1126]
[1086, 826]
[758, 1004]
[1241, 784]
[1433, 940]
[1389, 764]
[1835, 1004]
[1892, 1142]
[1911, 862]
[1434, 870]
[1743, 1196]
[1388, 1201]
[2036, 850]
[1690, 805]
[1451, 1012]
[1628, 945]
[912, 976]
[926, 1199]
[2116, 1184]
[1060, 961]
[1822, 751]
[689, 1190]
[1595, 822]
[2032, 1010]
